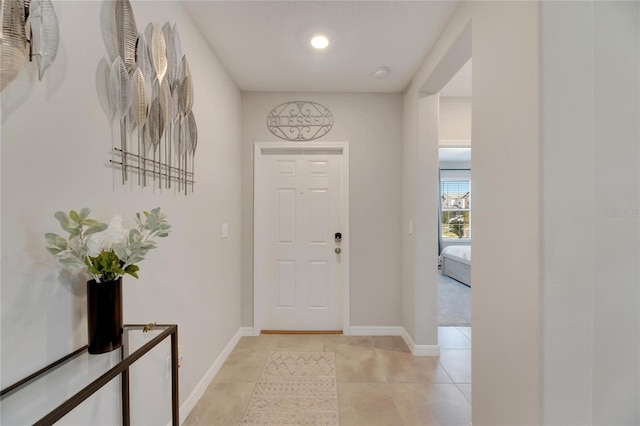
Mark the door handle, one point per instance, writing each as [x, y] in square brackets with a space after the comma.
[338, 250]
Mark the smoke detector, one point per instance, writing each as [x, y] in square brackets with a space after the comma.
[381, 72]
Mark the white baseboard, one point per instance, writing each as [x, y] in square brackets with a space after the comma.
[201, 387]
[417, 350]
[358, 330]
[246, 331]
[420, 350]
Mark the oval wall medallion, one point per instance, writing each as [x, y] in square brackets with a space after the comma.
[300, 121]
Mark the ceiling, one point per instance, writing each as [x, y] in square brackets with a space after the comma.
[265, 44]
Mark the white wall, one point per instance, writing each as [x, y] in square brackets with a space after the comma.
[455, 121]
[55, 152]
[590, 146]
[506, 316]
[371, 123]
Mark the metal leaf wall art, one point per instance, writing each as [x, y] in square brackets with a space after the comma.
[45, 35]
[146, 82]
[103, 86]
[119, 31]
[29, 28]
[158, 53]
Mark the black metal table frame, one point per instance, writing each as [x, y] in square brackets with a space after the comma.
[121, 368]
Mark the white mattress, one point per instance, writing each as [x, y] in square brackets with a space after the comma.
[461, 253]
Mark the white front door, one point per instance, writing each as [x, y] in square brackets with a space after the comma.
[300, 196]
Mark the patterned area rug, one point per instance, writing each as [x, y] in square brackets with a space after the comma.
[295, 388]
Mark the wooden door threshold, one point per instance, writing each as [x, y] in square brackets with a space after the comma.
[301, 332]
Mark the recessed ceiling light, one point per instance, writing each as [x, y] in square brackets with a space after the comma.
[381, 72]
[319, 41]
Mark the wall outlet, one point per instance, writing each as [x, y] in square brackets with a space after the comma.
[224, 230]
[410, 227]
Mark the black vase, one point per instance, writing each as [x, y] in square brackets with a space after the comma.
[104, 315]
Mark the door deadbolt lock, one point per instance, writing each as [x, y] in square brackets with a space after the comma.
[338, 237]
[338, 250]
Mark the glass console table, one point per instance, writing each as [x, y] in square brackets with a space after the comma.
[41, 400]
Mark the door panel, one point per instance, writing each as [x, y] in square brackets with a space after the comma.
[286, 284]
[318, 216]
[301, 210]
[319, 284]
[286, 216]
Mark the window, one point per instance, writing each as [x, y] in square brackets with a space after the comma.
[455, 200]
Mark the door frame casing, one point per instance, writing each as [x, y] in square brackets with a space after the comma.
[341, 148]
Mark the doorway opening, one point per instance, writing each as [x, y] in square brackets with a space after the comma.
[455, 213]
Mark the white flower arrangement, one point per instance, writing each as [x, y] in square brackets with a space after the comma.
[107, 252]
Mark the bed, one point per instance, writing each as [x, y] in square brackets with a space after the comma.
[456, 263]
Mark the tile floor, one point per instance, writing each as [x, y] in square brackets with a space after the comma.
[379, 381]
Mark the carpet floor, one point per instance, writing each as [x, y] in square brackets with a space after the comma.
[454, 303]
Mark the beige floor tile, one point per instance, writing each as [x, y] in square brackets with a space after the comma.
[403, 367]
[379, 381]
[359, 366]
[426, 404]
[457, 364]
[241, 367]
[298, 342]
[345, 344]
[222, 404]
[391, 343]
[367, 404]
[262, 343]
[465, 388]
[452, 338]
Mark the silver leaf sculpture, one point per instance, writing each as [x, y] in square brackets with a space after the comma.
[186, 87]
[172, 61]
[148, 33]
[138, 98]
[138, 110]
[175, 101]
[147, 84]
[143, 61]
[165, 101]
[120, 87]
[130, 120]
[177, 136]
[178, 53]
[193, 133]
[185, 97]
[45, 35]
[156, 122]
[156, 129]
[184, 130]
[158, 53]
[109, 29]
[192, 143]
[13, 41]
[106, 96]
[146, 135]
[119, 31]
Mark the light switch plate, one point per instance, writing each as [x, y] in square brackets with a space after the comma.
[225, 230]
